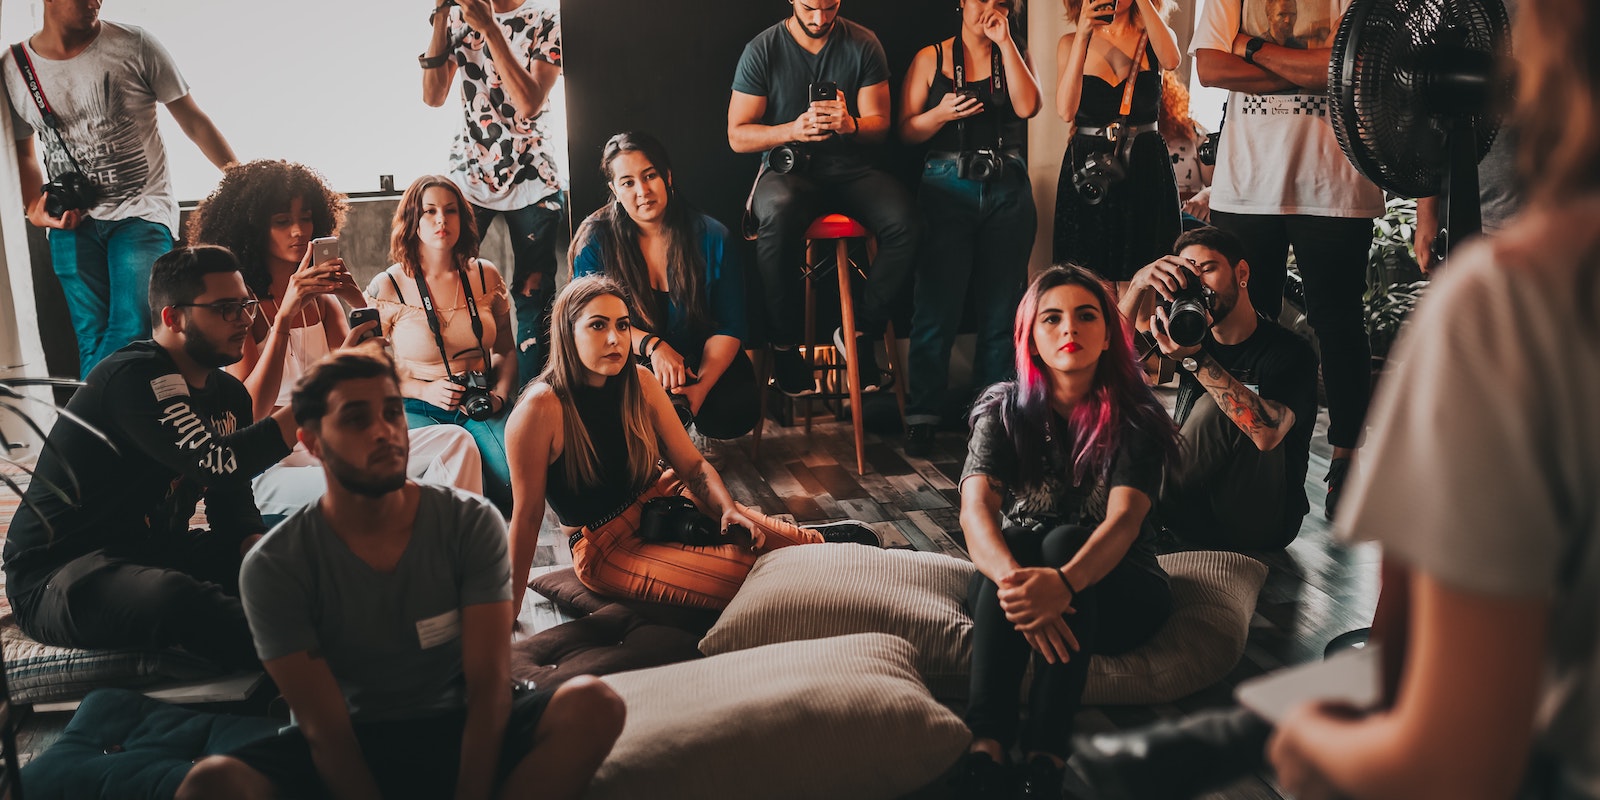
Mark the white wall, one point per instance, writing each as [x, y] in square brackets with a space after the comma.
[21, 353]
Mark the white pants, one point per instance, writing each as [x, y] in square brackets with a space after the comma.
[440, 454]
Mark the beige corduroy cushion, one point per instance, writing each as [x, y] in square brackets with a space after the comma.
[829, 590]
[823, 590]
[845, 717]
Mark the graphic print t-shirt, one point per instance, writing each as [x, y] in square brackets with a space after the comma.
[105, 98]
[500, 161]
[1278, 153]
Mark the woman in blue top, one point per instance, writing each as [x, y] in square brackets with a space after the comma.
[685, 286]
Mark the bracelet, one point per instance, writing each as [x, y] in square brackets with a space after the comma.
[645, 343]
[855, 122]
[433, 62]
[657, 346]
[1071, 592]
[436, 9]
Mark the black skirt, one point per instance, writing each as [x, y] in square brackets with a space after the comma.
[1136, 221]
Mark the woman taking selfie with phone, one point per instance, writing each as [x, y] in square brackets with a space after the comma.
[448, 316]
[590, 436]
[684, 282]
[968, 97]
[1061, 469]
[1117, 200]
[269, 213]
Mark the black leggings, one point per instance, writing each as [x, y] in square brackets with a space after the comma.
[1113, 616]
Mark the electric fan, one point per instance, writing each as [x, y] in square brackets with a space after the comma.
[1412, 85]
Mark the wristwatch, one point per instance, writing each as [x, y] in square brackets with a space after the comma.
[1251, 47]
[1190, 363]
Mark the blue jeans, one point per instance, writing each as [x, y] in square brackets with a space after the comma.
[490, 435]
[976, 241]
[533, 252]
[104, 269]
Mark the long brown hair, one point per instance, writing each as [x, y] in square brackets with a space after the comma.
[566, 370]
[405, 246]
[1174, 120]
[1558, 97]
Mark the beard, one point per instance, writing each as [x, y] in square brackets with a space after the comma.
[360, 481]
[820, 34]
[206, 353]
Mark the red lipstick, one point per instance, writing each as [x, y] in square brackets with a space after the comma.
[1072, 347]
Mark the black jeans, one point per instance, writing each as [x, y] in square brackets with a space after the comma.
[533, 252]
[787, 204]
[186, 594]
[1224, 492]
[1332, 255]
[1113, 616]
[730, 409]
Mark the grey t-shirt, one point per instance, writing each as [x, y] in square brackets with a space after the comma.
[393, 640]
[1482, 470]
[776, 67]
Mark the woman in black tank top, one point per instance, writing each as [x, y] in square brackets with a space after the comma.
[590, 435]
[968, 98]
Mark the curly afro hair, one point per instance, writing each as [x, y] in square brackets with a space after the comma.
[238, 213]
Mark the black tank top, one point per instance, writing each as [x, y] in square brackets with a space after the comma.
[983, 129]
[1100, 101]
[600, 409]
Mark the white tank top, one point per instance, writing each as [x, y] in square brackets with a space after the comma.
[306, 344]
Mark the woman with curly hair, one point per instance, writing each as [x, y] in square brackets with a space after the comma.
[267, 212]
[1184, 135]
[448, 314]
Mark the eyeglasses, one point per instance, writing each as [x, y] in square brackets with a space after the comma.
[229, 310]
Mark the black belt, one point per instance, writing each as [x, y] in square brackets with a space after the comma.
[952, 154]
[572, 541]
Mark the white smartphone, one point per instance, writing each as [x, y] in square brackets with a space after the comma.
[1351, 676]
[324, 249]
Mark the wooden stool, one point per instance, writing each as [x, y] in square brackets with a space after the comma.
[841, 229]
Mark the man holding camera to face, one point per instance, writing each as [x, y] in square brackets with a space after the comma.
[89, 89]
[1247, 397]
[810, 93]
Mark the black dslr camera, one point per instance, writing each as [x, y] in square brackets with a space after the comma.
[787, 158]
[1187, 313]
[675, 518]
[476, 401]
[70, 191]
[980, 165]
[1094, 178]
[1207, 151]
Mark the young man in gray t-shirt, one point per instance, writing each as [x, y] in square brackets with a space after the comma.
[383, 613]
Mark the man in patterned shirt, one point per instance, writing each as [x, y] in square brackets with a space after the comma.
[509, 55]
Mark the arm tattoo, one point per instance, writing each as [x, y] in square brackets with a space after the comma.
[698, 485]
[1246, 408]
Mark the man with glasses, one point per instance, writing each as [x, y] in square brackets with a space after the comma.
[101, 554]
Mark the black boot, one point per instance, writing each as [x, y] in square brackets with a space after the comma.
[1174, 759]
[979, 777]
[1041, 779]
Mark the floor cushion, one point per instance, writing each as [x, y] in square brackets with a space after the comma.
[42, 673]
[569, 594]
[125, 745]
[845, 717]
[828, 590]
[612, 639]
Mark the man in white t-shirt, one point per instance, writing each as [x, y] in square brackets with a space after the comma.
[1282, 180]
[509, 55]
[101, 81]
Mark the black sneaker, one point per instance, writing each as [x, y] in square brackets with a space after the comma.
[792, 374]
[979, 777]
[848, 531]
[919, 439]
[867, 371]
[1041, 779]
[1338, 470]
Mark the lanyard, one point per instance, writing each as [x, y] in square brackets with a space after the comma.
[433, 317]
[997, 84]
[1133, 73]
[25, 65]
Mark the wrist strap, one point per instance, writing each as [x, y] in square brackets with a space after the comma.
[1071, 592]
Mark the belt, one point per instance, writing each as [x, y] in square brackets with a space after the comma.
[1114, 131]
[572, 541]
[954, 154]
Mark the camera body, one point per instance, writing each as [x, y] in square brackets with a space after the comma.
[675, 518]
[1094, 178]
[70, 191]
[1207, 151]
[980, 165]
[476, 401]
[1188, 312]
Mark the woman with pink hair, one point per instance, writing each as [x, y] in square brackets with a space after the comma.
[1072, 453]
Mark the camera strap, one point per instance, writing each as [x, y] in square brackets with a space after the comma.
[433, 316]
[958, 81]
[36, 89]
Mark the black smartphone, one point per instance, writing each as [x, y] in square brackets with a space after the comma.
[823, 91]
[360, 316]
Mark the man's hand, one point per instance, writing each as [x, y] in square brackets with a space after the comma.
[67, 221]
[1169, 348]
[1166, 275]
[809, 127]
[833, 115]
[479, 14]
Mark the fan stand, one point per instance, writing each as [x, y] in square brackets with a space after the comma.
[1459, 81]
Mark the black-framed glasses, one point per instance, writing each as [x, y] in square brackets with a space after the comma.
[229, 310]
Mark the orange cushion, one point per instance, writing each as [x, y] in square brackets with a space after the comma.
[835, 226]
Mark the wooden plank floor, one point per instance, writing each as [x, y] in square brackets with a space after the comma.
[1315, 590]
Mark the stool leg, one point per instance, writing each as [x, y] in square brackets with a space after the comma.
[892, 354]
[811, 331]
[847, 310]
[763, 364]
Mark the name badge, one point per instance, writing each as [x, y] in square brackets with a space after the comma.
[1254, 387]
[434, 631]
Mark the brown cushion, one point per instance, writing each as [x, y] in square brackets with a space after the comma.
[845, 717]
[570, 595]
[613, 639]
